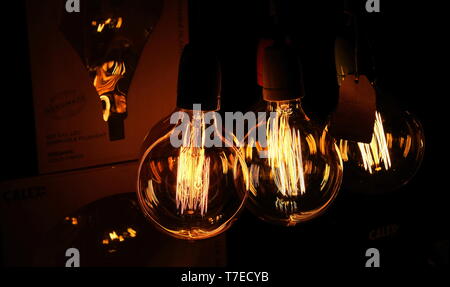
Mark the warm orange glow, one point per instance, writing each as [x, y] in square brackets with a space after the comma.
[107, 110]
[105, 81]
[100, 27]
[108, 75]
[119, 23]
[193, 174]
[343, 147]
[72, 220]
[153, 200]
[111, 23]
[407, 146]
[119, 237]
[311, 144]
[113, 235]
[286, 206]
[377, 152]
[131, 232]
[285, 155]
[375, 155]
[224, 160]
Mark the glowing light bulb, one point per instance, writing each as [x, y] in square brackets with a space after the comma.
[390, 160]
[194, 190]
[391, 156]
[295, 175]
[109, 38]
[298, 174]
[105, 82]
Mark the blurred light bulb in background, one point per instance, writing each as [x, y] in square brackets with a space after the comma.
[109, 37]
[391, 156]
[193, 191]
[296, 174]
[390, 160]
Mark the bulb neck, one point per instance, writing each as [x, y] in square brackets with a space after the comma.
[282, 79]
[199, 79]
[288, 107]
[193, 111]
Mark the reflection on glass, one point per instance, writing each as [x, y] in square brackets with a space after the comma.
[109, 36]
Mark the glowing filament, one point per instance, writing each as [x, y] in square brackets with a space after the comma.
[100, 27]
[72, 220]
[119, 23]
[113, 235]
[285, 155]
[110, 23]
[193, 174]
[377, 152]
[286, 207]
[131, 232]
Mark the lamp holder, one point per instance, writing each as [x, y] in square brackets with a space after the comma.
[282, 78]
[199, 78]
[355, 113]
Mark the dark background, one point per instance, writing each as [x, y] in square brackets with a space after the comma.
[407, 46]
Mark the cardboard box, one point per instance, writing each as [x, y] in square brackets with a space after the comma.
[80, 162]
[31, 207]
[71, 132]
[35, 231]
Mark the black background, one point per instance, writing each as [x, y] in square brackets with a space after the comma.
[408, 45]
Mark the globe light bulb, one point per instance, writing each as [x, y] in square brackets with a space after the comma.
[392, 157]
[187, 186]
[382, 145]
[296, 170]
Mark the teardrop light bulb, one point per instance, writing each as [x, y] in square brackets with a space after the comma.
[296, 173]
[194, 190]
[109, 37]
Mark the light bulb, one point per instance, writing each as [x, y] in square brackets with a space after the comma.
[109, 37]
[386, 150]
[296, 173]
[194, 190]
[392, 157]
